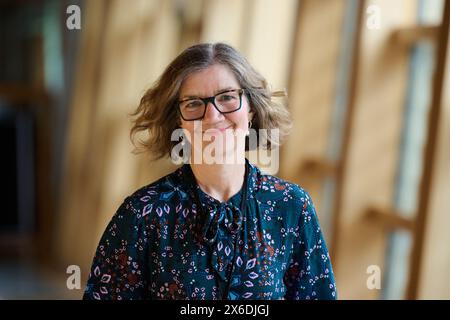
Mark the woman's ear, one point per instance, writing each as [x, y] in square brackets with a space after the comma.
[250, 114]
[180, 122]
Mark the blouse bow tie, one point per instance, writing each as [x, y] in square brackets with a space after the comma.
[218, 232]
[224, 217]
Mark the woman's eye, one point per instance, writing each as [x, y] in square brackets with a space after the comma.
[194, 104]
[226, 97]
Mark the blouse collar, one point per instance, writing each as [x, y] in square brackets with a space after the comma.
[253, 176]
[215, 213]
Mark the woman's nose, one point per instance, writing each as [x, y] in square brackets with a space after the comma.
[211, 112]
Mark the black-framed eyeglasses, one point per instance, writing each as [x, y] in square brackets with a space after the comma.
[225, 102]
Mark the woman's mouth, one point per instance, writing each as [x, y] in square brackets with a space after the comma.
[217, 129]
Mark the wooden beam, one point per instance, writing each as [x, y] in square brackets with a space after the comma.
[442, 61]
[389, 219]
[20, 93]
[411, 35]
[343, 159]
[316, 168]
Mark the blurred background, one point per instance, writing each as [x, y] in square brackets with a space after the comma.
[369, 93]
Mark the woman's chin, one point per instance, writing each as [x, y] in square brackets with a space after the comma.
[221, 155]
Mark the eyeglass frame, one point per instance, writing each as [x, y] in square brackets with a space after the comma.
[212, 100]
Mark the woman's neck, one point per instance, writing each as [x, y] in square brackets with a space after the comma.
[220, 181]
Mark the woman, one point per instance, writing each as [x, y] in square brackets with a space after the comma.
[212, 229]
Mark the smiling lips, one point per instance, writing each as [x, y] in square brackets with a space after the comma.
[217, 129]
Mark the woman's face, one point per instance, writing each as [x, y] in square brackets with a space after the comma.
[206, 83]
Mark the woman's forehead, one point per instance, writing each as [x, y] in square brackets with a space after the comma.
[209, 81]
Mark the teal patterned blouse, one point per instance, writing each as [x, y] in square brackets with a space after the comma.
[171, 240]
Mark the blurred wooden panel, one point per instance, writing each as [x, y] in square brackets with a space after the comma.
[312, 92]
[220, 13]
[116, 69]
[434, 258]
[262, 30]
[370, 165]
[137, 48]
[80, 125]
[268, 40]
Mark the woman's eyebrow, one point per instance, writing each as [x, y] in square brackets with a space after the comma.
[224, 89]
[192, 96]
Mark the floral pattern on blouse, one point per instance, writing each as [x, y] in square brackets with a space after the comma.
[161, 245]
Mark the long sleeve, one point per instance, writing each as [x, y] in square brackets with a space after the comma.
[119, 266]
[310, 274]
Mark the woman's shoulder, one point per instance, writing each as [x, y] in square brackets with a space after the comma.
[157, 196]
[271, 184]
[288, 199]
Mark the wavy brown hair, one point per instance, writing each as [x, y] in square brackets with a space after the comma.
[157, 113]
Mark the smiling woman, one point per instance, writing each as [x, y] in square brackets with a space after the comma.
[158, 113]
[212, 230]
